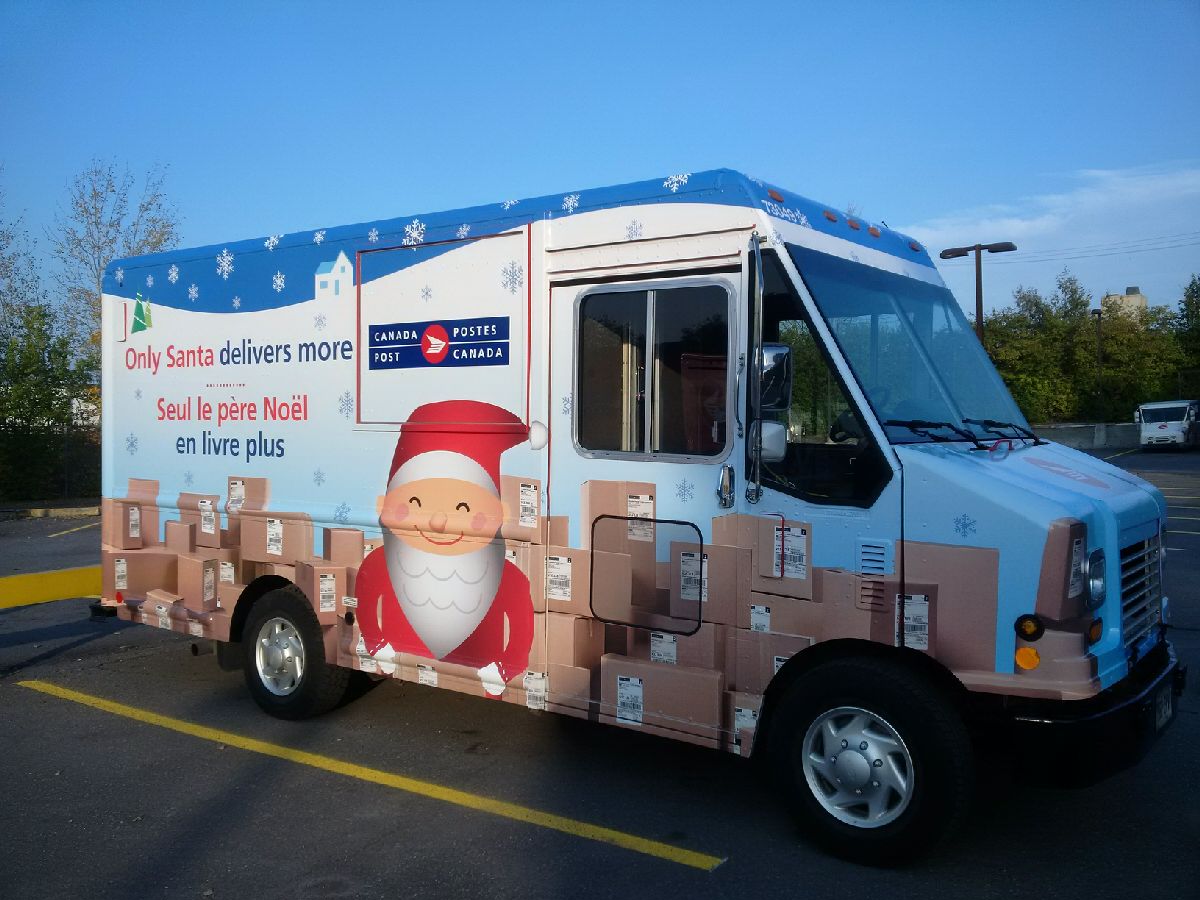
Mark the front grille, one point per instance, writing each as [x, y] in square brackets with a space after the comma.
[1141, 590]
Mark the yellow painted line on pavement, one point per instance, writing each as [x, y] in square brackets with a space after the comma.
[73, 530]
[426, 789]
[1122, 453]
[42, 587]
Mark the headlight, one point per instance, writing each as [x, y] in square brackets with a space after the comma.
[1097, 582]
[1078, 556]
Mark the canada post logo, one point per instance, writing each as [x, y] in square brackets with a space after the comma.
[448, 342]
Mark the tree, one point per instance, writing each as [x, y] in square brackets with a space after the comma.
[1187, 332]
[99, 225]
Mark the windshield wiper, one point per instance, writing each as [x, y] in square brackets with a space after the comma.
[922, 426]
[993, 424]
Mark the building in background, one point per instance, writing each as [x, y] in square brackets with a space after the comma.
[1131, 301]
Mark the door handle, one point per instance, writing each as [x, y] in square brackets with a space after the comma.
[725, 486]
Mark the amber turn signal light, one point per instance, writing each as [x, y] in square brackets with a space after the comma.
[1095, 630]
[1029, 627]
[1027, 658]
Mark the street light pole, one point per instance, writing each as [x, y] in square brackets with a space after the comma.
[1099, 316]
[977, 249]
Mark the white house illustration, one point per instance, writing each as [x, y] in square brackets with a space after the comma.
[334, 279]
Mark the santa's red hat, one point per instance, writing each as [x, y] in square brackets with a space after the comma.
[460, 439]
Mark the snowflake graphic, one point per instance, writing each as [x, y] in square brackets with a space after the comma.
[633, 230]
[346, 404]
[512, 277]
[272, 242]
[803, 220]
[278, 281]
[427, 293]
[570, 203]
[757, 181]
[119, 275]
[568, 404]
[237, 302]
[341, 513]
[776, 237]
[137, 395]
[193, 292]
[318, 478]
[149, 281]
[964, 525]
[319, 237]
[319, 321]
[414, 233]
[373, 235]
[685, 491]
[188, 479]
[131, 443]
[225, 263]
[509, 204]
[675, 182]
[463, 231]
[173, 273]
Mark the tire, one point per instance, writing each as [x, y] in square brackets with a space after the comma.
[283, 658]
[907, 753]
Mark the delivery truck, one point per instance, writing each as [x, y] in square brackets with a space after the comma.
[1168, 423]
[695, 457]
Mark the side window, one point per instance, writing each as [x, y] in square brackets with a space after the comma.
[654, 371]
[831, 457]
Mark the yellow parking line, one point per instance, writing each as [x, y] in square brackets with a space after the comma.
[1122, 453]
[388, 779]
[73, 530]
[41, 587]
[1183, 518]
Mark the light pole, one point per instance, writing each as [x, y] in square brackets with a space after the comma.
[977, 249]
[1099, 316]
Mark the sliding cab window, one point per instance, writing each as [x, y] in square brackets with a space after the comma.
[653, 371]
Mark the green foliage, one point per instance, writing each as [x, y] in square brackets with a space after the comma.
[1062, 362]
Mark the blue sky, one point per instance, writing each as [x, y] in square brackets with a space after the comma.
[1072, 129]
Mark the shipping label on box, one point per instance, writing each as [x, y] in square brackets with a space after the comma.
[208, 518]
[664, 647]
[629, 699]
[529, 506]
[916, 621]
[135, 522]
[237, 494]
[790, 552]
[640, 510]
[558, 578]
[535, 689]
[693, 576]
[327, 590]
[275, 537]
[228, 573]
[121, 573]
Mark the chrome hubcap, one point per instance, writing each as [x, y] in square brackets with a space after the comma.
[279, 656]
[858, 767]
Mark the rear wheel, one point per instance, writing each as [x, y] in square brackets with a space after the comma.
[283, 658]
[876, 759]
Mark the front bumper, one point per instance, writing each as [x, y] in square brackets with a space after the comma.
[1110, 731]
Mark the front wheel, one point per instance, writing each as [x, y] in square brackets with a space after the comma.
[283, 658]
[875, 758]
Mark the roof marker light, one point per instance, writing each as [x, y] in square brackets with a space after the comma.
[873, 231]
[914, 246]
[853, 224]
[830, 216]
[775, 195]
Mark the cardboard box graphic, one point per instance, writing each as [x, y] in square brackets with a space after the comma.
[855, 606]
[522, 499]
[136, 572]
[574, 641]
[197, 580]
[531, 560]
[158, 608]
[782, 551]
[573, 690]
[753, 658]
[569, 587]
[228, 595]
[203, 511]
[741, 720]
[966, 629]
[242, 492]
[324, 584]
[126, 532]
[180, 537]
[636, 693]
[279, 570]
[281, 537]
[145, 492]
[632, 532]
[708, 582]
[703, 650]
[342, 546]
[783, 615]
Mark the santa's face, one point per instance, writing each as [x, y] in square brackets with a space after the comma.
[446, 516]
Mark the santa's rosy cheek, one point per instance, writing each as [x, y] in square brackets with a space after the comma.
[478, 521]
[399, 513]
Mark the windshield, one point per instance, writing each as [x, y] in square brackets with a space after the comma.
[1163, 413]
[911, 349]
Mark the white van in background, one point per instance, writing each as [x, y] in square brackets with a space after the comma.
[1168, 422]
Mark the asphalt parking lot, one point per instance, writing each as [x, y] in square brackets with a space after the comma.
[108, 802]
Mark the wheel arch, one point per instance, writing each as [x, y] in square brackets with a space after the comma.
[847, 648]
[254, 591]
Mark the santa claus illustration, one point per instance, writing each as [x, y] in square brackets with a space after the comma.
[439, 586]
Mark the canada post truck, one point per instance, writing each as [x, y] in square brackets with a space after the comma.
[696, 457]
[1168, 423]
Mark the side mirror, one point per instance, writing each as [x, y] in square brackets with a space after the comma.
[774, 440]
[775, 380]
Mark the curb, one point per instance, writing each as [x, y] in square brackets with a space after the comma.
[43, 587]
[50, 512]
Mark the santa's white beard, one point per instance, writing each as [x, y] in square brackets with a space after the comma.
[444, 598]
